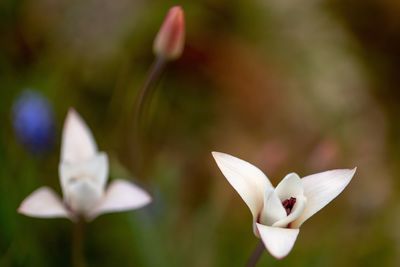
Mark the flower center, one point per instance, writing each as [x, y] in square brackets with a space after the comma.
[288, 204]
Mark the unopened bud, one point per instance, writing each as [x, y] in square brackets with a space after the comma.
[170, 39]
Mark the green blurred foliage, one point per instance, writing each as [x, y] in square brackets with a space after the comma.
[288, 85]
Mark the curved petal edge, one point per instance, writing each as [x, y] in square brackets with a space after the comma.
[121, 195]
[77, 143]
[278, 241]
[249, 181]
[321, 188]
[44, 203]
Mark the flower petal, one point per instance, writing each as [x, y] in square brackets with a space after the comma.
[273, 210]
[77, 142]
[121, 196]
[94, 170]
[296, 212]
[322, 188]
[44, 203]
[278, 241]
[290, 186]
[250, 182]
[83, 196]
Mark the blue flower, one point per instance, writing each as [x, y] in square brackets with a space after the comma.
[33, 122]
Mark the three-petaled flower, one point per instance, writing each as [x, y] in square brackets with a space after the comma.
[279, 212]
[83, 172]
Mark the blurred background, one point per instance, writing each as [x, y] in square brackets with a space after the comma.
[289, 85]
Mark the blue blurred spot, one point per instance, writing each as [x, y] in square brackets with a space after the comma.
[33, 122]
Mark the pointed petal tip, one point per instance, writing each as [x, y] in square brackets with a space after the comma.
[71, 110]
[43, 203]
[77, 142]
[351, 173]
[72, 115]
[216, 154]
[347, 173]
[220, 156]
[20, 209]
[121, 195]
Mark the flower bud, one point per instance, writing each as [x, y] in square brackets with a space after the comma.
[170, 39]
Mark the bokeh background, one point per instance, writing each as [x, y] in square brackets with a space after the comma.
[289, 85]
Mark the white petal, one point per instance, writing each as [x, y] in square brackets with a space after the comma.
[44, 203]
[278, 241]
[273, 210]
[296, 212]
[246, 179]
[94, 171]
[83, 196]
[290, 186]
[77, 142]
[322, 188]
[121, 196]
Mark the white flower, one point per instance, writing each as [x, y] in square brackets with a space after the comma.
[83, 172]
[279, 212]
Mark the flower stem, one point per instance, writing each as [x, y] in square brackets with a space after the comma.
[78, 259]
[256, 255]
[142, 100]
[147, 90]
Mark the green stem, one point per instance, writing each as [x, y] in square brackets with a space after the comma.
[78, 259]
[256, 255]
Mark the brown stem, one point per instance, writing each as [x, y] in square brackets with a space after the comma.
[78, 259]
[256, 255]
[147, 90]
[142, 101]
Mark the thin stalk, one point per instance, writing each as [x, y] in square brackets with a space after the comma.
[147, 90]
[78, 259]
[142, 101]
[256, 255]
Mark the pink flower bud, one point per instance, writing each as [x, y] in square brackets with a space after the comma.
[170, 39]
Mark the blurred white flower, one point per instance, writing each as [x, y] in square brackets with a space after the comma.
[83, 174]
[279, 212]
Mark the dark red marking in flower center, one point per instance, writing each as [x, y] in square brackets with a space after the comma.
[288, 204]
